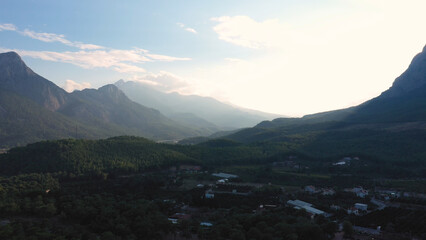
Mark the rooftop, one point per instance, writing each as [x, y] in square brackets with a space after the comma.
[224, 175]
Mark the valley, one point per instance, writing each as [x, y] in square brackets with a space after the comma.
[127, 161]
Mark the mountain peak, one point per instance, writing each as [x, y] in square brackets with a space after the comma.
[10, 55]
[12, 64]
[16, 77]
[119, 82]
[113, 92]
[109, 88]
[413, 78]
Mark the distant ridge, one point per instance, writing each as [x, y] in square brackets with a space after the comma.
[212, 111]
[413, 78]
[397, 110]
[16, 77]
[89, 113]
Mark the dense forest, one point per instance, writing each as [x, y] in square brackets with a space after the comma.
[123, 188]
[135, 154]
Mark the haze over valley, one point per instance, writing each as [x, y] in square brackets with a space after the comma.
[226, 120]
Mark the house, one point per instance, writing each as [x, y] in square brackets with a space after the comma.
[361, 206]
[310, 189]
[353, 210]
[175, 218]
[313, 211]
[209, 194]
[298, 203]
[335, 207]
[224, 175]
[328, 192]
[206, 224]
[388, 193]
[263, 207]
[221, 181]
[360, 192]
[370, 231]
[340, 163]
[307, 206]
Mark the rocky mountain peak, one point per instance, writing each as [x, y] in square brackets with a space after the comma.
[17, 77]
[413, 78]
[11, 65]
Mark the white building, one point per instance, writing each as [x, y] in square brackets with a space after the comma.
[360, 192]
[361, 206]
[313, 211]
[224, 175]
[209, 194]
[310, 189]
[298, 203]
[304, 205]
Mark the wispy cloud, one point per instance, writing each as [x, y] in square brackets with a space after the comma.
[7, 27]
[119, 60]
[125, 68]
[188, 29]
[164, 81]
[90, 55]
[246, 32]
[70, 85]
[234, 60]
[48, 37]
[52, 37]
[164, 58]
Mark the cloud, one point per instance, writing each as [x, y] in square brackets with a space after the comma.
[45, 37]
[90, 55]
[49, 37]
[164, 58]
[122, 61]
[70, 85]
[7, 27]
[234, 60]
[125, 68]
[85, 46]
[188, 29]
[164, 81]
[318, 59]
[53, 37]
[246, 32]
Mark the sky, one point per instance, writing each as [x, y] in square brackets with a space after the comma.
[280, 56]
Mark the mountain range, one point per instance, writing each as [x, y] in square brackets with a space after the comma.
[403, 102]
[204, 112]
[33, 108]
[391, 125]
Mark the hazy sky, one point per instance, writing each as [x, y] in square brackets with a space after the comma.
[287, 57]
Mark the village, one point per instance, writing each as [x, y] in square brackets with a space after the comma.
[222, 191]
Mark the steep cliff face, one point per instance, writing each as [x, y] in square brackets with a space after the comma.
[413, 78]
[33, 108]
[405, 101]
[16, 77]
